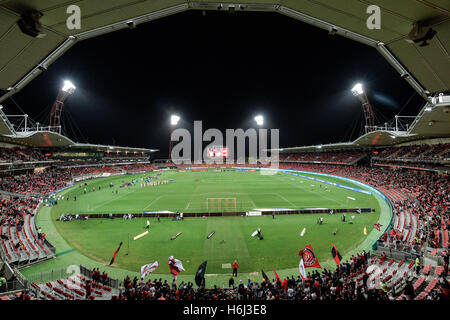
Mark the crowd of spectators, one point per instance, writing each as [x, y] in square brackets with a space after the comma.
[336, 157]
[439, 151]
[348, 282]
[92, 170]
[39, 183]
[132, 168]
[15, 211]
[20, 154]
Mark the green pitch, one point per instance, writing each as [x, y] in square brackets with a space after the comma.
[98, 238]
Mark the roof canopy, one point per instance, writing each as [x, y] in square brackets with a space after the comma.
[433, 121]
[427, 68]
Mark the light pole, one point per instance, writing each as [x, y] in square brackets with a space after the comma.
[173, 122]
[260, 122]
[55, 114]
[358, 92]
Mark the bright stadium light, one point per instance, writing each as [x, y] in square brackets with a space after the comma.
[259, 120]
[68, 87]
[357, 89]
[174, 120]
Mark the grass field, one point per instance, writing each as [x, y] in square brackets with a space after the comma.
[250, 189]
[97, 239]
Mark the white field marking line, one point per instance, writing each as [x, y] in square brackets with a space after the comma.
[254, 204]
[152, 202]
[286, 199]
[197, 204]
[320, 195]
[109, 201]
[232, 180]
[202, 194]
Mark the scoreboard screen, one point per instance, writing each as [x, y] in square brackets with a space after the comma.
[217, 152]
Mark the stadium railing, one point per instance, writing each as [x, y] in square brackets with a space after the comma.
[113, 283]
[50, 275]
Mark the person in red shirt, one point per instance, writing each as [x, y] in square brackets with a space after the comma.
[285, 284]
[235, 267]
[104, 277]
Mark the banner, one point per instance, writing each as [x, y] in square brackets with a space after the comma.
[309, 257]
[301, 268]
[200, 275]
[149, 268]
[336, 255]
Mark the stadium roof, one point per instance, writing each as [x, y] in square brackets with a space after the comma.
[427, 68]
[44, 138]
[433, 121]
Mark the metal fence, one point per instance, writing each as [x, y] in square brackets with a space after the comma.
[11, 286]
[51, 275]
[396, 254]
[113, 283]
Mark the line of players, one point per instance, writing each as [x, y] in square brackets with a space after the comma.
[154, 183]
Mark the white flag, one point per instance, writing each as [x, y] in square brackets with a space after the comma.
[303, 232]
[148, 268]
[179, 265]
[301, 268]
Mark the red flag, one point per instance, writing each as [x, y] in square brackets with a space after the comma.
[175, 266]
[276, 275]
[309, 257]
[115, 254]
[336, 255]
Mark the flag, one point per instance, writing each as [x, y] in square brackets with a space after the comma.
[301, 268]
[365, 231]
[377, 226]
[264, 275]
[276, 275]
[200, 275]
[309, 258]
[115, 254]
[336, 255]
[175, 236]
[303, 232]
[175, 266]
[149, 268]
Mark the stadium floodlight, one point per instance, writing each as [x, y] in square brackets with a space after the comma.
[68, 87]
[259, 120]
[174, 120]
[369, 116]
[357, 89]
[66, 90]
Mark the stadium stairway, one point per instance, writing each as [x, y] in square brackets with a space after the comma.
[394, 195]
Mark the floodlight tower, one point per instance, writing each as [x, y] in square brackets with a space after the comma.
[358, 92]
[260, 122]
[173, 122]
[55, 114]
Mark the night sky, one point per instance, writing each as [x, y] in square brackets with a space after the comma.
[220, 68]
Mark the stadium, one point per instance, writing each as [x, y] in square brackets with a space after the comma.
[365, 219]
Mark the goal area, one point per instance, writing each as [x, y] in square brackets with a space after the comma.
[221, 204]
